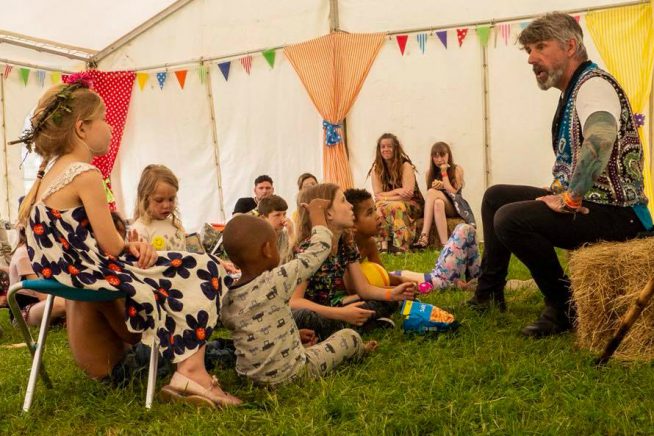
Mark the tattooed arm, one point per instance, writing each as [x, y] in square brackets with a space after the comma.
[600, 132]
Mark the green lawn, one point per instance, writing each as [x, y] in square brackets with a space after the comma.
[484, 379]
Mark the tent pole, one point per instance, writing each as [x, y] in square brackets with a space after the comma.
[33, 66]
[334, 21]
[216, 148]
[5, 154]
[125, 39]
[45, 46]
[486, 115]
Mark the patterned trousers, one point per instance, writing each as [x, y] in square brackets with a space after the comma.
[326, 355]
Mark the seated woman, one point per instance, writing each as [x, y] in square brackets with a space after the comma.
[171, 298]
[305, 181]
[444, 185]
[397, 196]
[338, 294]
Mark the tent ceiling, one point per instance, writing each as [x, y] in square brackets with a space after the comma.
[89, 24]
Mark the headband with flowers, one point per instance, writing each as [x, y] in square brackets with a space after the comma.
[56, 109]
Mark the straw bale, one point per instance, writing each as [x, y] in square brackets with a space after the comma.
[606, 280]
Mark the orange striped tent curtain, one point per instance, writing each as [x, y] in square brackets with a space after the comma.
[333, 68]
[625, 40]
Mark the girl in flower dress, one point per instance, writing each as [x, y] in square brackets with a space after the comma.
[171, 297]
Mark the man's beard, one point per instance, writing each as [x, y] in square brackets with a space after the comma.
[553, 78]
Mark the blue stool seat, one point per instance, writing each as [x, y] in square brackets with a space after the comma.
[55, 289]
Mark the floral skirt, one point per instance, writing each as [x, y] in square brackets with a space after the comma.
[398, 222]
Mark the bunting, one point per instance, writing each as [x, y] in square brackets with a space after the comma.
[483, 32]
[24, 75]
[461, 35]
[401, 42]
[181, 77]
[246, 62]
[505, 32]
[442, 36]
[202, 73]
[40, 77]
[55, 77]
[422, 40]
[523, 25]
[269, 55]
[224, 68]
[142, 79]
[161, 78]
[8, 69]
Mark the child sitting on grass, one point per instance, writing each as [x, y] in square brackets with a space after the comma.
[268, 343]
[273, 209]
[457, 263]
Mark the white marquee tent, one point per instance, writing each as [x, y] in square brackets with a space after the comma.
[218, 135]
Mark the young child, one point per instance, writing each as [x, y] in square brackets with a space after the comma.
[273, 209]
[268, 344]
[457, 264]
[155, 214]
[172, 298]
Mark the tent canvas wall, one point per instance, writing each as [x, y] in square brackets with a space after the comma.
[219, 134]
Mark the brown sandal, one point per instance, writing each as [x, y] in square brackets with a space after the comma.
[422, 242]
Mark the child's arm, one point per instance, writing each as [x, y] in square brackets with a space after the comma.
[404, 291]
[90, 189]
[352, 313]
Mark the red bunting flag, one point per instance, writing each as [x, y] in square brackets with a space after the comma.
[461, 35]
[577, 17]
[401, 42]
[505, 32]
[181, 77]
[8, 69]
[246, 62]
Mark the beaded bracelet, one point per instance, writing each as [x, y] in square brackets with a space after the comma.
[569, 201]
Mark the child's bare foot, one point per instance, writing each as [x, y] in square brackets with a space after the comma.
[370, 346]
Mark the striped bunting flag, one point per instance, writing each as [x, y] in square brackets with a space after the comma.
[40, 77]
[422, 40]
[246, 62]
[8, 69]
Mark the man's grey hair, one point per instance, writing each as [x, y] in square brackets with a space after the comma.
[556, 26]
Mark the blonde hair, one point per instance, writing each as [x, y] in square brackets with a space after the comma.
[326, 191]
[53, 129]
[150, 178]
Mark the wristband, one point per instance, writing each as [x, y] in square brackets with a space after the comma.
[444, 175]
[569, 201]
[388, 295]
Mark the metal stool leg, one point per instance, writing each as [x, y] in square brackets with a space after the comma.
[38, 354]
[152, 374]
[22, 326]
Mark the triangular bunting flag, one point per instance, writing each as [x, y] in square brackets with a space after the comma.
[577, 17]
[8, 69]
[224, 68]
[40, 77]
[269, 55]
[142, 79]
[461, 35]
[483, 32]
[202, 73]
[25, 75]
[246, 62]
[401, 42]
[524, 24]
[161, 78]
[422, 39]
[55, 77]
[505, 32]
[181, 77]
[442, 35]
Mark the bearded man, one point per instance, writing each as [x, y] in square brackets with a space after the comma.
[597, 188]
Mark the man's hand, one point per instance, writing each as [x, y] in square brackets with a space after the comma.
[557, 204]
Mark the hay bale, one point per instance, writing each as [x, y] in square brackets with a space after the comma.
[606, 280]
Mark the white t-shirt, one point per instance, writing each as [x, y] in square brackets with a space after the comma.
[161, 234]
[597, 95]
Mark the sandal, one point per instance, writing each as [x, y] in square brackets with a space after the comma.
[183, 389]
[422, 242]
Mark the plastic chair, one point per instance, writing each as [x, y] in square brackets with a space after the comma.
[55, 289]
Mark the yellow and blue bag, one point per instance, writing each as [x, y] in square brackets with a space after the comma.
[426, 318]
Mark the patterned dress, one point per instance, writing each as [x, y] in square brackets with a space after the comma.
[175, 302]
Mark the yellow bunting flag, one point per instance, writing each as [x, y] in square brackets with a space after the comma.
[142, 79]
[55, 77]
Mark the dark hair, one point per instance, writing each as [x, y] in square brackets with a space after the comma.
[303, 177]
[390, 177]
[355, 197]
[434, 173]
[261, 179]
[274, 203]
[119, 223]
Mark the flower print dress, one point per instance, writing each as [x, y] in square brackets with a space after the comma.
[175, 302]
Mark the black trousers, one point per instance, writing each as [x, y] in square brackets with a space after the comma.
[515, 223]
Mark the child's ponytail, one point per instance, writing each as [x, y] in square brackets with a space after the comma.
[29, 200]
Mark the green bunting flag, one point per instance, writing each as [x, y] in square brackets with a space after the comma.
[483, 32]
[25, 75]
[269, 55]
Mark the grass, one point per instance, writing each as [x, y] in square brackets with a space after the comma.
[484, 379]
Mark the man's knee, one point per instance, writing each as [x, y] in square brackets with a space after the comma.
[505, 221]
